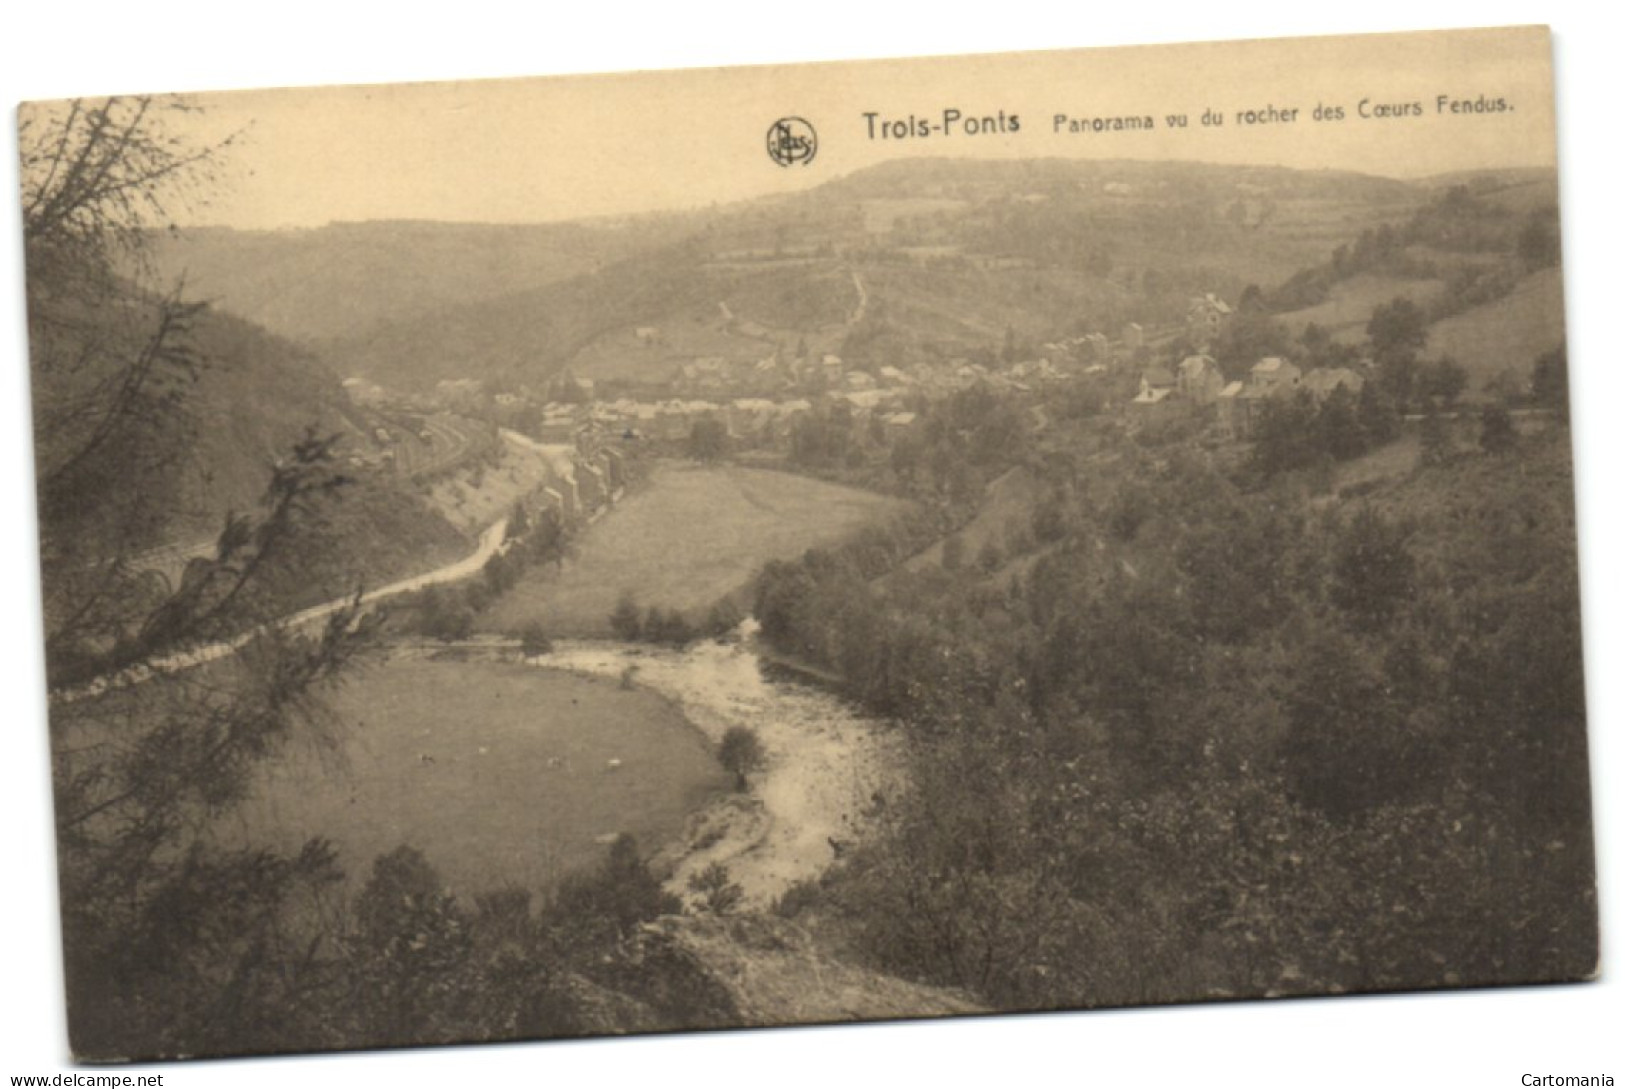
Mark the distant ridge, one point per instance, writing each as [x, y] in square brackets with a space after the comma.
[954, 250]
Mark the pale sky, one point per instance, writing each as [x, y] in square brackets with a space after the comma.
[561, 148]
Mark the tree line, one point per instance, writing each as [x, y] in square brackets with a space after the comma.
[1220, 741]
[1457, 222]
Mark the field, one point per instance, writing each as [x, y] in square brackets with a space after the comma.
[1348, 311]
[498, 772]
[1511, 332]
[689, 537]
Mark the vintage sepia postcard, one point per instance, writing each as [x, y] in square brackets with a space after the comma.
[598, 555]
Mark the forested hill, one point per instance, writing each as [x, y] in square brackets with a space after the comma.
[255, 395]
[345, 278]
[1228, 737]
[953, 252]
[197, 434]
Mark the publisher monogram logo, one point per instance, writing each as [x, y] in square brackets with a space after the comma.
[791, 140]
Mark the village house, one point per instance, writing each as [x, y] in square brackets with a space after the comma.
[631, 419]
[615, 467]
[1200, 379]
[710, 372]
[559, 425]
[751, 417]
[561, 479]
[1156, 385]
[1240, 405]
[597, 435]
[593, 483]
[779, 425]
[968, 374]
[1206, 318]
[551, 499]
[1275, 375]
[671, 422]
[608, 415]
[898, 424]
[363, 392]
[862, 403]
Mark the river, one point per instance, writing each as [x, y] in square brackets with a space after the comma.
[825, 762]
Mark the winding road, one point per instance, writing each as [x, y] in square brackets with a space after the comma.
[490, 543]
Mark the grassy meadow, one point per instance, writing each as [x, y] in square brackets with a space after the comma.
[688, 538]
[1509, 333]
[498, 772]
[1348, 311]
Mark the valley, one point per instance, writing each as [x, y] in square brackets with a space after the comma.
[961, 585]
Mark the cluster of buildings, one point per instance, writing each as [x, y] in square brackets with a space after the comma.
[755, 420]
[582, 479]
[1094, 351]
[757, 401]
[826, 372]
[887, 394]
[1197, 386]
